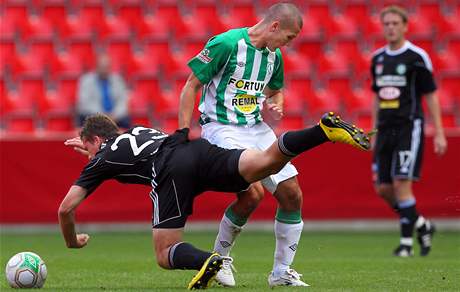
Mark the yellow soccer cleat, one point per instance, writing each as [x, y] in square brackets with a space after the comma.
[338, 130]
[207, 273]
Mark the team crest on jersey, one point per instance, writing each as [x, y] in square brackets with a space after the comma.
[401, 69]
[241, 64]
[378, 69]
[203, 56]
[270, 68]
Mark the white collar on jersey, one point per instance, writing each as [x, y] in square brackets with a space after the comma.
[401, 50]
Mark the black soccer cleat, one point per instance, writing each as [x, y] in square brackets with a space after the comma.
[337, 130]
[403, 251]
[207, 273]
[425, 237]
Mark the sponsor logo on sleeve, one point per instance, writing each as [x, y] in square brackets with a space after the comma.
[203, 56]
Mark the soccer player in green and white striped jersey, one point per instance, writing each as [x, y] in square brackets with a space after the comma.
[239, 72]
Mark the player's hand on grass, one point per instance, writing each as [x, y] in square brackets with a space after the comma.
[275, 111]
[77, 145]
[440, 144]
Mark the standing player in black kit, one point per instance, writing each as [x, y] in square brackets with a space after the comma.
[402, 73]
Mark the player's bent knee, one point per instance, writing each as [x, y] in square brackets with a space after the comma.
[162, 258]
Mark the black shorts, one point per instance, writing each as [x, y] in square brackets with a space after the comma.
[184, 169]
[398, 152]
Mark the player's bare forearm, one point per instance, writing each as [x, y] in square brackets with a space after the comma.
[66, 216]
[275, 102]
[187, 100]
[440, 141]
[435, 111]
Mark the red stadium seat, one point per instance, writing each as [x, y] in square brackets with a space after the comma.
[294, 102]
[131, 13]
[289, 123]
[349, 47]
[208, 14]
[66, 65]
[153, 28]
[28, 65]
[358, 101]
[296, 64]
[240, 15]
[311, 30]
[319, 10]
[143, 64]
[55, 12]
[140, 108]
[310, 48]
[120, 53]
[446, 62]
[7, 54]
[38, 28]
[56, 111]
[76, 27]
[84, 51]
[160, 50]
[321, 101]
[146, 90]
[18, 112]
[341, 27]
[93, 13]
[449, 27]
[114, 27]
[334, 63]
[43, 50]
[9, 28]
[14, 16]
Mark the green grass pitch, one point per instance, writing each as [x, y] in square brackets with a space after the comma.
[329, 261]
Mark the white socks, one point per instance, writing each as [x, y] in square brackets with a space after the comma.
[226, 236]
[287, 240]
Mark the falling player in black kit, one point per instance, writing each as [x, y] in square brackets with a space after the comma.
[179, 169]
[402, 74]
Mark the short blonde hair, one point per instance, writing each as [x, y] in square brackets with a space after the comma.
[395, 10]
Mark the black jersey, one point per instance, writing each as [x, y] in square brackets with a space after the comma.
[400, 78]
[127, 158]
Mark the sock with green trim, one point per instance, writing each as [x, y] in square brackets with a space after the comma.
[288, 229]
[229, 229]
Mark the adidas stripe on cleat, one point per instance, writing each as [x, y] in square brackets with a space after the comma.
[337, 130]
[207, 273]
[425, 237]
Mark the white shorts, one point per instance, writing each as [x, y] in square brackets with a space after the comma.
[259, 136]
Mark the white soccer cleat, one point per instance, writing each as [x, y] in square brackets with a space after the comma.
[289, 278]
[225, 275]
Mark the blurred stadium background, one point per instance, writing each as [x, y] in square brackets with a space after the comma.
[46, 45]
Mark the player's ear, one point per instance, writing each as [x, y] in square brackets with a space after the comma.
[275, 26]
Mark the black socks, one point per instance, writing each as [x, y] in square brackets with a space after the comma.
[293, 143]
[185, 256]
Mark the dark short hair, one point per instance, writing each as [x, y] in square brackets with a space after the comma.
[395, 9]
[98, 125]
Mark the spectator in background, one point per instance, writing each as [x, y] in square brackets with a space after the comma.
[103, 91]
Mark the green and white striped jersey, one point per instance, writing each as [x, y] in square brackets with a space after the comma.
[234, 74]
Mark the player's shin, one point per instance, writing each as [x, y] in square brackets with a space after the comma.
[185, 256]
[288, 229]
[229, 228]
[293, 143]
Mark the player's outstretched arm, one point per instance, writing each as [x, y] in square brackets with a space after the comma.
[77, 145]
[187, 100]
[69, 204]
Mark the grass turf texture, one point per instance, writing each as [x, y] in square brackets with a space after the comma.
[345, 261]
